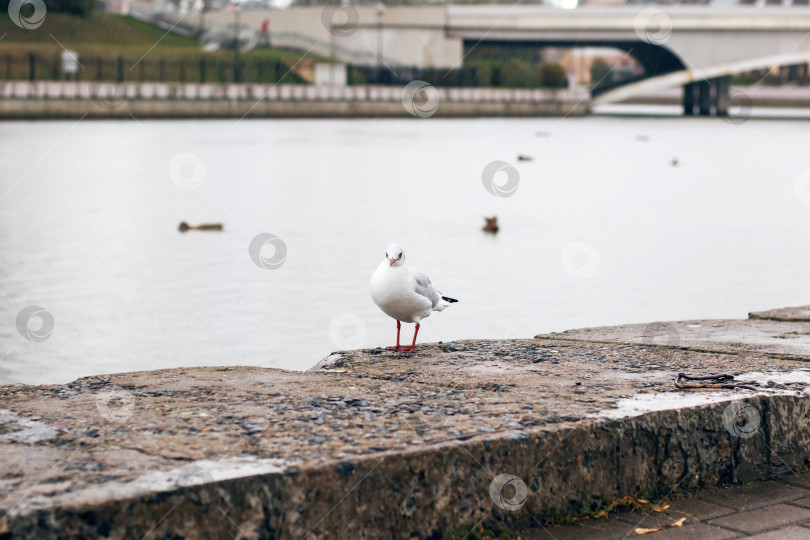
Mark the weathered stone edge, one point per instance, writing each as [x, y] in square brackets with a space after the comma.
[434, 490]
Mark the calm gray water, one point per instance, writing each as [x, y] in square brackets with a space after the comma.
[602, 230]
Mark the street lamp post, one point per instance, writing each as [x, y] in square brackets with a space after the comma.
[380, 13]
[235, 9]
[201, 30]
[237, 72]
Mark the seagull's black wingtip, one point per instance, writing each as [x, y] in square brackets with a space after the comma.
[448, 299]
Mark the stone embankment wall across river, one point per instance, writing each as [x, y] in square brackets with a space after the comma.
[73, 100]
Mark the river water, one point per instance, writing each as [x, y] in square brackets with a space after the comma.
[617, 219]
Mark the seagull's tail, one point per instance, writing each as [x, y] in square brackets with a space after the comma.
[444, 302]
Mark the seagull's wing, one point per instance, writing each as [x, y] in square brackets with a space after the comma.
[424, 287]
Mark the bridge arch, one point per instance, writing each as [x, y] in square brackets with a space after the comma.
[708, 75]
[656, 59]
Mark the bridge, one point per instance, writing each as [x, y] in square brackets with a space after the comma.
[695, 47]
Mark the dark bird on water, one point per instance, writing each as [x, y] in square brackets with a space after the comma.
[524, 157]
[183, 227]
[491, 225]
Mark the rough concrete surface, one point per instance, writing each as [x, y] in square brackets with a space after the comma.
[790, 314]
[767, 335]
[377, 444]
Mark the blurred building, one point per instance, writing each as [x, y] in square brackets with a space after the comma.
[127, 6]
[623, 67]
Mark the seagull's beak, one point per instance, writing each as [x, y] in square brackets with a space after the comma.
[393, 260]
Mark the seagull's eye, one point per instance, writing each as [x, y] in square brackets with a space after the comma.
[400, 256]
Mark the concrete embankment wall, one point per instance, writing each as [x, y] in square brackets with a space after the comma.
[377, 444]
[68, 99]
[427, 492]
[741, 96]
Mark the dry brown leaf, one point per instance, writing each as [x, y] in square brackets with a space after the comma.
[646, 531]
[678, 523]
[662, 507]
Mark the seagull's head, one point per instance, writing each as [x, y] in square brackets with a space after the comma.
[395, 255]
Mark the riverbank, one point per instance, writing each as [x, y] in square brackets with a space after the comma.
[373, 444]
[742, 97]
[73, 100]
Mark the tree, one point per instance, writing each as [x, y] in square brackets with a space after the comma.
[74, 7]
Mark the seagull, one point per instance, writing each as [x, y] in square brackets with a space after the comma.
[404, 293]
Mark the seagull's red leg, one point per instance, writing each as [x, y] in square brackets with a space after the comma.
[413, 345]
[397, 348]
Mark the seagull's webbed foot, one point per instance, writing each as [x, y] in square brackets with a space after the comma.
[406, 349]
[396, 348]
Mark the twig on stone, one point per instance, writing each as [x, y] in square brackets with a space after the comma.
[716, 381]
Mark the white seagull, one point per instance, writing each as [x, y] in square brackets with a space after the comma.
[404, 293]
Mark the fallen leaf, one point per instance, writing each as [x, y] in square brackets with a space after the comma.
[678, 523]
[646, 531]
[662, 507]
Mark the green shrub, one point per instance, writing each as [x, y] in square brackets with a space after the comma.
[356, 77]
[599, 71]
[483, 73]
[487, 72]
[518, 74]
[553, 75]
